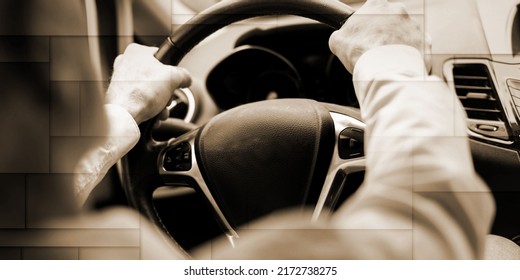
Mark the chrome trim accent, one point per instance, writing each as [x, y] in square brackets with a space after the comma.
[341, 122]
[196, 175]
[192, 106]
[480, 136]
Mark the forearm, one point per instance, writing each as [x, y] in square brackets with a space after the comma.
[122, 134]
[140, 88]
[420, 177]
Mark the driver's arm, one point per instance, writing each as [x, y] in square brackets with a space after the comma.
[421, 197]
[141, 87]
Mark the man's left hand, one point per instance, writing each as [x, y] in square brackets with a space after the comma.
[143, 85]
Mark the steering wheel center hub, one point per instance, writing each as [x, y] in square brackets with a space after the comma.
[263, 156]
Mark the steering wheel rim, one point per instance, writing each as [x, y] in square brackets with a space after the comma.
[331, 12]
[138, 169]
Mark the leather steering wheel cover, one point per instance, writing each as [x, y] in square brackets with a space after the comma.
[331, 12]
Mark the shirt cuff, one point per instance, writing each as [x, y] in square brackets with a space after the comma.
[384, 63]
[121, 135]
[121, 124]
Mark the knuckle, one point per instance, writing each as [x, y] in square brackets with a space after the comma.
[132, 46]
[333, 39]
[117, 61]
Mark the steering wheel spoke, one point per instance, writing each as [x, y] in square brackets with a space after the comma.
[178, 166]
[348, 157]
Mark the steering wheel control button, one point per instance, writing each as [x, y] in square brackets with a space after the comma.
[350, 143]
[178, 158]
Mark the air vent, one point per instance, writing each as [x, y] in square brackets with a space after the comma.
[477, 93]
[475, 90]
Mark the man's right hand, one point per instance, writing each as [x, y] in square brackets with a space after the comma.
[377, 23]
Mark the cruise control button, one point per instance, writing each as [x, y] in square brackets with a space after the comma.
[178, 158]
[350, 143]
[182, 147]
[182, 167]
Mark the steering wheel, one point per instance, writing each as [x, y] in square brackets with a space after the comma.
[259, 157]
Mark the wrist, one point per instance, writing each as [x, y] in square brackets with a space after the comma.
[126, 110]
[400, 59]
[388, 62]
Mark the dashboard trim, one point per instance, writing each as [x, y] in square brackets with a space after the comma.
[504, 98]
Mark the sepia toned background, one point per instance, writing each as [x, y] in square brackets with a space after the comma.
[55, 62]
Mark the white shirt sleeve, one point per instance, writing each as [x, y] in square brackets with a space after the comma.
[421, 197]
[121, 136]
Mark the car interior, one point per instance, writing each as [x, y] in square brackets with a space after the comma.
[264, 70]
